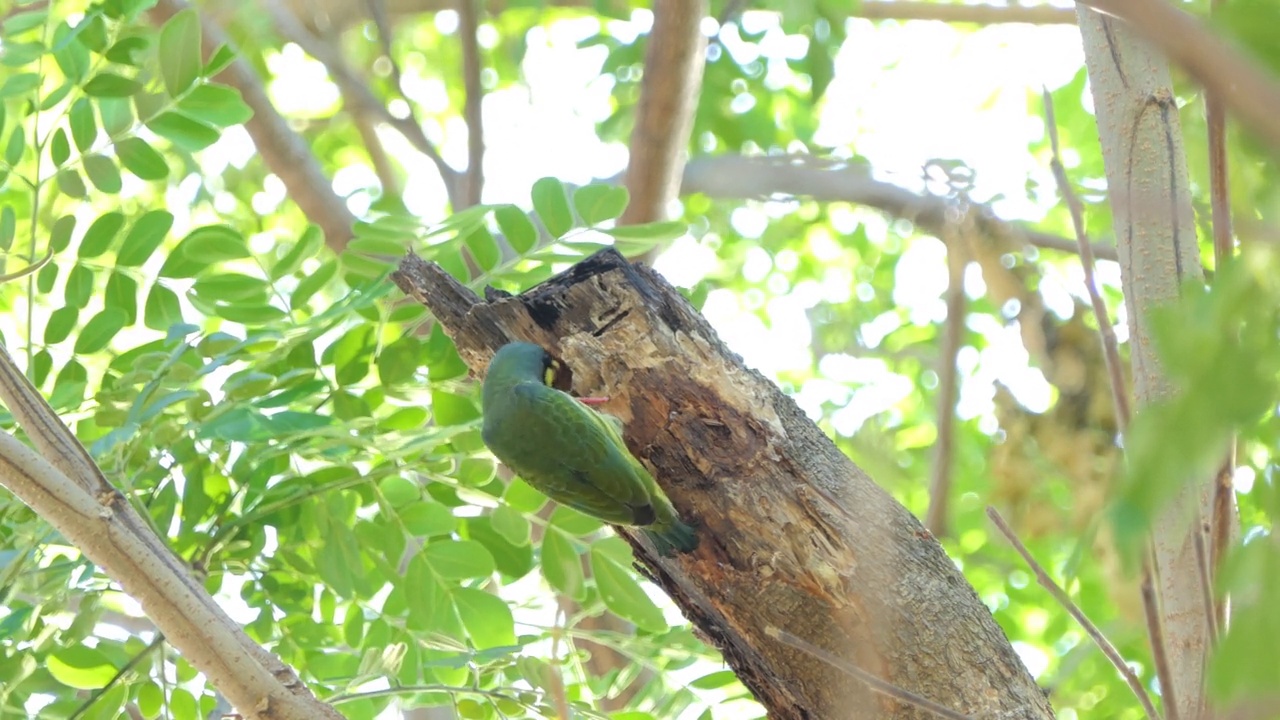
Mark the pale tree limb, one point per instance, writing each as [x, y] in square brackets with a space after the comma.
[1063, 599]
[63, 486]
[675, 54]
[739, 177]
[473, 179]
[285, 152]
[1156, 236]
[948, 388]
[1246, 88]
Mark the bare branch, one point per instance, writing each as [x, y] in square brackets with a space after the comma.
[285, 152]
[948, 388]
[468, 26]
[1155, 631]
[963, 13]
[1112, 654]
[1110, 347]
[674, 59]
[737, 177]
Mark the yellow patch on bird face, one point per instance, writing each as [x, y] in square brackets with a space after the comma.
[549, 375]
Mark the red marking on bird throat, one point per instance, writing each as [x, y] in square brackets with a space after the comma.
[593, 400]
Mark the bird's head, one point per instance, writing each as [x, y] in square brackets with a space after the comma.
[522, 361]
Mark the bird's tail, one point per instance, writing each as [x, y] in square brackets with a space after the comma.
[672, 537]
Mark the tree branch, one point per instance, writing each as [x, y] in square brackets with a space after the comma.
[468, 26]
[737, 177]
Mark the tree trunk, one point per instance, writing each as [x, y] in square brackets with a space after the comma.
[794, 536]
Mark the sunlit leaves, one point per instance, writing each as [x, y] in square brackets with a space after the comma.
[180, 51]
[597, 203]
[552, 205]
[139, 158]
[144, 237]
[610, 563]
[217, 105]
[100, 234]
[110, 85]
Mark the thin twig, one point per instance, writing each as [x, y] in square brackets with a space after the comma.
[1206, 580]
[355, 90]
[1111, 351]
[124, 670]
[468, 26]
[1059, 595]
[1155, 631]
[948, 374]
[876, 684]
[1222, 521]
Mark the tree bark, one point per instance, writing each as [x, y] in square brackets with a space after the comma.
[1156, 237]
[794, 536]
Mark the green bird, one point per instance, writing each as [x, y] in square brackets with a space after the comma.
[570, 452]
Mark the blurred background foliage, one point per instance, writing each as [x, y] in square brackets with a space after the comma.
[307, 440]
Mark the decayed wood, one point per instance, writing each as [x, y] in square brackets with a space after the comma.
[794, 536]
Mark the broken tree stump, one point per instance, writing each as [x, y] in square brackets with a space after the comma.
[793, 536]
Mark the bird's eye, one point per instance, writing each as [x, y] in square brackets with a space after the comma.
[549, 375]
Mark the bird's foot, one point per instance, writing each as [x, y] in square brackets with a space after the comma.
[593, 400]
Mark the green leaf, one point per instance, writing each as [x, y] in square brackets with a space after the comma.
[61, 322]
[427, 518]
[16, 147]
[122, 293]
[128, 51]
[459, 559]
[8, 227]
[23, 21]
[186, 133]
[219, 60]
[203, 247]
[60, 235]
[70, 184]
[46, 277]
[573, 522]
[561, 565]
[83, 129]
[79, 286]
[100, 234]
[598, 203]
[180, 51]
[523, 497]
[552, 206]
[72, 57]
[111, 85]
[312, 283]
[59, 147]
[516, 227]
[484, 249]
[116, 114]
[621, 592]
[162, 308]
[143, 238]
[308, 245]
[217, 105]
[97, 333]
[141, 159]
[486, 617]
[511, 524]
[20, 84]
[103, 173]
[231, 287]
[80, 667]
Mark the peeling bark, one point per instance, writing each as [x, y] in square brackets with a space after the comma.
[794, 536]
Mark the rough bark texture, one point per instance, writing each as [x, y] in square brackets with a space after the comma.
[794, 536]
[1156, 238]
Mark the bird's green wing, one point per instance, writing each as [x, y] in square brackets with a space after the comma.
[585, 463]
